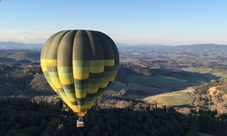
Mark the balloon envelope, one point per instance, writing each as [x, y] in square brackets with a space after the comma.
[79, 65]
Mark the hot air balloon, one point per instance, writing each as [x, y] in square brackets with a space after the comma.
[79, 65]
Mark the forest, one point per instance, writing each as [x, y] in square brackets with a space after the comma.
[20, 116]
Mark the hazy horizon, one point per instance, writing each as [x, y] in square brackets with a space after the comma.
[123, 44]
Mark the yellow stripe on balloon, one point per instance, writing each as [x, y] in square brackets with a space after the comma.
[80, 69]
[66, 78]
[51, 62]
[104, 84]
[43, 64]
[56, 82]
[66, 81]
[80, 76]
[96, 69]
[44, 67]
[109, 62]
[80, 95]
[80, 72]
[91, 91]
[71, 98]
[48, 62]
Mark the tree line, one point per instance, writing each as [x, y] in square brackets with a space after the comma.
[21, 116]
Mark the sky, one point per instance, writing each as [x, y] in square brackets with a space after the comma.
[168, 22]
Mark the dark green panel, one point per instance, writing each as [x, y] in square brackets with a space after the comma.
[70, 86]
[46, 47]
[81, 86]
[81, 46]
[92, 97]
[70, 91]
[96, 50]
[108, 68]
[95, 75]
[94, 81]
[107, 74]
[64, 54]
[107, 47]
[53, 46]
[81, 101]
[82, 81]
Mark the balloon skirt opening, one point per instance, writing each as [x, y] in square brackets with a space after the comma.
[81, 113]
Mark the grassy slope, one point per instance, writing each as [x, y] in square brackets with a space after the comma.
[176, 98]
[161, 83]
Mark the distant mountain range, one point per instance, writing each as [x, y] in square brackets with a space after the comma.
[19, 46]
[139, 45]
[38, 46]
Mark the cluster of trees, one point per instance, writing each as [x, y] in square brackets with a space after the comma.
[25, 117]
[211, 93]
[18, 79]
[21, 56]
[210, 122]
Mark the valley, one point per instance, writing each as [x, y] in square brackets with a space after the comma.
[188, 79]
[166, 75]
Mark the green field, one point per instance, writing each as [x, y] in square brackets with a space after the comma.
[221, 75]
[178, 98]
[164, 81]
[209, 73]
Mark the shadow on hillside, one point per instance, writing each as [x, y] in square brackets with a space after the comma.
[145, 82]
